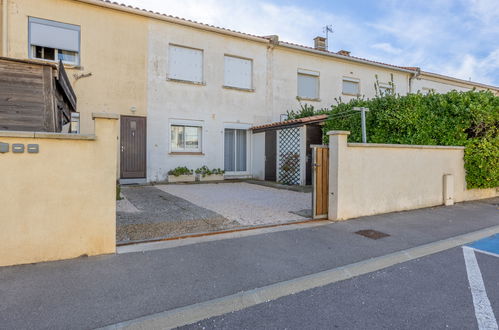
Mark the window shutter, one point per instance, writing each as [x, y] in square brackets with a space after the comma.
[351, 87]
[186, 64]
[237, 72]
[308, 86]
[54, 34]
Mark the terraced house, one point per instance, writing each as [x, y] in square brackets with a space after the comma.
[188, 93]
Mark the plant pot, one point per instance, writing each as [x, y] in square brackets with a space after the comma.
[211, 177]
[182, 178]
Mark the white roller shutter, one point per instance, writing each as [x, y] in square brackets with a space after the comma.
[52, 34]
[237, 72]
[186, 64]
[308, 86]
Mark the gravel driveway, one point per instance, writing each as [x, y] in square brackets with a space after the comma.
[248, 204]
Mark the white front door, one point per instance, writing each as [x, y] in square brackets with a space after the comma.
[235, 151]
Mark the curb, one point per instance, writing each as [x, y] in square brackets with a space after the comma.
[216, 307]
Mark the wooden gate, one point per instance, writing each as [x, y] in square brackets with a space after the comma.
[320, 181]
[133, 147]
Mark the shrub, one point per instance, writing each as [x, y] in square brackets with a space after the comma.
[469, 119]
[180, 170]
[204, 171]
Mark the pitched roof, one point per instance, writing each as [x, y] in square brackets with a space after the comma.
[349, 57]
[267, 39]
[171, 18]
[292, 122]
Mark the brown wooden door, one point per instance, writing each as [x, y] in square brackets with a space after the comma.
[314, 136]
[133, 147]
[270, 155]
[320, 179]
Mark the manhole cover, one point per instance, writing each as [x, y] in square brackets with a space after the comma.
[370, 233]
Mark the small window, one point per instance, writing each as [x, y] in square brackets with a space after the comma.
[237, 72]
[185, 64]
[426, 90]
[351, 86]
[54, 41]
[385, 89]
[185, 138]
[308, 84]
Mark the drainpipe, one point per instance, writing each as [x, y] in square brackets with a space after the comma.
[415, 75]
[4, 27]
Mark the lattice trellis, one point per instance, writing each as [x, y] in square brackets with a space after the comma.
[289, 156]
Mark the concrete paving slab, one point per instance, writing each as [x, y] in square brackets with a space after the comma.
[147, 213]
[247, 204]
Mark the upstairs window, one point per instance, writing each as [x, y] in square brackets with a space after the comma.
[351, 86]
[54, 41]
[385, 89]
[426, 90]
[186, 64]
[308, 84]
[238, 72]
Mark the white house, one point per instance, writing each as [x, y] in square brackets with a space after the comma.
[188, 93]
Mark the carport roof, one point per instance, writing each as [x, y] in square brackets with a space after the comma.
[291, 122]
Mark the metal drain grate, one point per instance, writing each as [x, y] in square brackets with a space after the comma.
[372, 234]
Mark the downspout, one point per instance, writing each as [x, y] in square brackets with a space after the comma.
[4, 28]
[415, 75]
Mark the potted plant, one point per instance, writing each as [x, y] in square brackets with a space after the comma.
[181, 174]
[205, 174]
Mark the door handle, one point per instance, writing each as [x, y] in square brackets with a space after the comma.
[122, 148]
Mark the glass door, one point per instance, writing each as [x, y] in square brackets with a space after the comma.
[235, 150]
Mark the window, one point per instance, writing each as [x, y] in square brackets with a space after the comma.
[426, 90]
[235, 150]
[385, 89]
[237, 72]
[351, 86]
[186, 64]
[54, 41]
[308, 84]
[185, 138]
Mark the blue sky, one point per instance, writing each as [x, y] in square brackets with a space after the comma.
[459, 38]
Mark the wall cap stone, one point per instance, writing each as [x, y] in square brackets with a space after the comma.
[47, 135]
[105, 115]
[412, 146]
[338, 133]
[19, 134]
[64, 136]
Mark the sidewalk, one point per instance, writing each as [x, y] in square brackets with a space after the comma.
[98, 291]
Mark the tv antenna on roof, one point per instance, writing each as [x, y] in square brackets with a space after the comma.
[327, 29]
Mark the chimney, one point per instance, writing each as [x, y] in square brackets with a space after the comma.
[320, 43]
[344, 52]
[274, 39]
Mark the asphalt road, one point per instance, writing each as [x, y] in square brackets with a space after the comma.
[428, 293]
[98, 291]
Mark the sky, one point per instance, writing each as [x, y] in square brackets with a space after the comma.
[459, 38]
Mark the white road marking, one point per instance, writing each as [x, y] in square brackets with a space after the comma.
[483, 310]
[485, 252]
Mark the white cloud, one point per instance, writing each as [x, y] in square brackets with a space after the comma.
[443, 36]
[387, 48]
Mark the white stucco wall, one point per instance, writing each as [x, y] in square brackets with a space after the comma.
[286, 63]
[367, 179]
[422, 85]
[213, 106]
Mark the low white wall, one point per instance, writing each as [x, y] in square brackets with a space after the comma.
[367, 179]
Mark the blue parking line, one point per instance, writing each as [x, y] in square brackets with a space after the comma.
[488, 245]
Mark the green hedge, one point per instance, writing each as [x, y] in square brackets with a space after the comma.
[469, 119]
